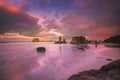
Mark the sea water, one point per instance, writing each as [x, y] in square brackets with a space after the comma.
[21, 61]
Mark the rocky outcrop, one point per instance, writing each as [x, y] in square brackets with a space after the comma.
[35, 40]
[78, 39]
[112, 42]
[110, 71]
[113, 39]
[60, 41]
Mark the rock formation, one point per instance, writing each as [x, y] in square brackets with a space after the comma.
[113, 39]
[41, 49]
[110, 71]
[60, 41]
[78, 39]
[35, 40]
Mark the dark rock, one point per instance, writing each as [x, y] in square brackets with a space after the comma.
[35, 40]
[41, 49]
[110, 66]
[110, 71]
[113, 39]
[60, 41]
[109, 59]
[78, 39]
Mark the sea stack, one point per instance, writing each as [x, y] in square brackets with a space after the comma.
[78, 39]
[60, 41]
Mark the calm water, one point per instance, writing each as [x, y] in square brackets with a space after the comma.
[20, 61]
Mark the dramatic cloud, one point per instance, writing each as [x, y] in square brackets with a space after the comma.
[14, 35]
[13, 20]
[79, 25]
[51, 34]
[97, 19]
[10, 37]
[50, 23]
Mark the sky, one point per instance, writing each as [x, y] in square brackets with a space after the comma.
[49, 19]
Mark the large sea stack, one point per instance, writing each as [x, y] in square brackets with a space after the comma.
[78, 39]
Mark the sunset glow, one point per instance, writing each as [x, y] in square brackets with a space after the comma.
[13, 9]
[1, 3]
[59, 39]
[14, 36]
[9, 7]
[55, 17]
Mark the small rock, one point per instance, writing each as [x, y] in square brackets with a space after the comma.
[109, 59]
[41, 49]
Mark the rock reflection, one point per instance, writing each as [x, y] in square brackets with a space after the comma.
[21, 61]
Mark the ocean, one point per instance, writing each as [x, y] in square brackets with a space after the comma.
[21, 61]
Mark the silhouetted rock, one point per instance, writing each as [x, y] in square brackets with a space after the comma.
[64, 41]
[78, 39]
[41, 49]
[112, 42]
[109, 59]
[110, 71]
[113, 39]
[60, 41]
[35, 40]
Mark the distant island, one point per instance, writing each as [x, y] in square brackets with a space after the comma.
[36, 40]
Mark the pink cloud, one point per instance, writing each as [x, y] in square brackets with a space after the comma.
[78, 25]
[14, 36]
